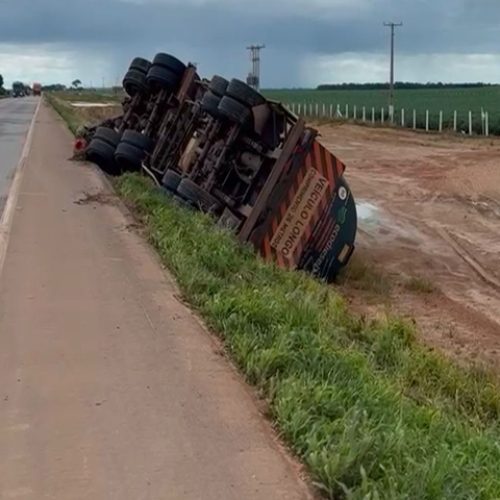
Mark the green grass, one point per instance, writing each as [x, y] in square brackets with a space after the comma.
[435, 100]
[362, 275]
[371, 412]
[77, 117]
[90, 96]
[73, 119]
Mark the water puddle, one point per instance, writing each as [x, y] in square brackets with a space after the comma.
[367, 211]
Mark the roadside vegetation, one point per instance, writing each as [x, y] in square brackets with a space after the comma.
[369, 410]
[77, 117]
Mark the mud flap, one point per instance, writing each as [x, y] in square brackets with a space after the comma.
[333, 239]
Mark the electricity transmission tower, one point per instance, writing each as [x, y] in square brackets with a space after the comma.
[393, 26]
[253, 78]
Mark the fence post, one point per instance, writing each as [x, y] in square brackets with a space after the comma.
[347, 111]
[414, 119]
[373, 116]
[427, 120]
[305, 108]
[338, 113]
[323, 114]
[440, 121]
[355, 112]
[364, 114]
[310, 109]
[470, 122]
[455, 121]
[487, 124]
[403, 117]
[331, 110]
[317, 110]
[382, 115]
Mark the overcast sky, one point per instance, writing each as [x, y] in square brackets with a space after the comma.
[307, 41]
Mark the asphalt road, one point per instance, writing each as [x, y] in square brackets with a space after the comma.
[15, 119]
[110, 389]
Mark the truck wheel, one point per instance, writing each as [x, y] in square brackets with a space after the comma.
[160, 77]
[129, 157]
[198, 196]
[218, 85]
[234, 111]
[171, 180]
[134, 82]
[210, 104]
[140, 64]
[102, 154]
[138, 140]
[169, 62]
[108, 135]
[244, 93]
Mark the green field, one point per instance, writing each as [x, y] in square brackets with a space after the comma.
[435, 100]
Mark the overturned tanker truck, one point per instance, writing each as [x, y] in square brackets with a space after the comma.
[221, 147]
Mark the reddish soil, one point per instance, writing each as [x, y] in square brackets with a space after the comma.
[429, 209]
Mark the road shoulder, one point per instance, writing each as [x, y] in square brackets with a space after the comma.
[113, 389]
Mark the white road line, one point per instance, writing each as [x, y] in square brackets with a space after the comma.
[8, 212]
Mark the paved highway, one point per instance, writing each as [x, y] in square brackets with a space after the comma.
[109, 387]
[15, 119]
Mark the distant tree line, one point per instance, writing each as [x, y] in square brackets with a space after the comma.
[54, 87]
[399, 85]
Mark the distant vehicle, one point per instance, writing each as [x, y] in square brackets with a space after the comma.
[37, 89]
[18, 89]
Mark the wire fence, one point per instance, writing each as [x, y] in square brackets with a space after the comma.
[469, 123]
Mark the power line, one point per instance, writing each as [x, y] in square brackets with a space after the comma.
[253, 78]
[393, 26]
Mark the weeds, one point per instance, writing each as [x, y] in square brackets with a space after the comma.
[362, 275]
[369, 410]
[419, 285]
[77, 117]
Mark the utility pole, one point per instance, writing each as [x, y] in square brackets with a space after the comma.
[253, 78]
[391, 88]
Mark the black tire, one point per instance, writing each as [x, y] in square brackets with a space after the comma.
[108, 135]
[129, 157]
[134, 82]
[169, 62]
[138, 140]
[171, 180]
[210, 104]
[181, 202]
[140, 64]
[103, 155]
[244, 93]
[218, 85]
[197, 195]
[160, 77]
[234, 111]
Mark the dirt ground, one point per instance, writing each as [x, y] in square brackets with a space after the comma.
[429, 232]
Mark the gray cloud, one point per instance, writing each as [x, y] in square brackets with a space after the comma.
[216, 32]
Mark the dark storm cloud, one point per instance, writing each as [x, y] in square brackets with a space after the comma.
[450, 25]
[215, 33]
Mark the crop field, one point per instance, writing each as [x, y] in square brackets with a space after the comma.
[462, 100]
